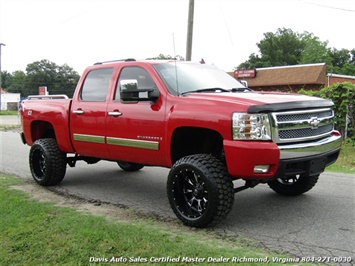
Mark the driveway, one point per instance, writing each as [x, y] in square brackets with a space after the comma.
[318, 224]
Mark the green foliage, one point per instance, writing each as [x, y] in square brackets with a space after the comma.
[343, 95]
[168, 57]
[38, 233]
[314, 50]
[5, 79]
[346, 161]
[274, 46]
[18, 81]
[277, 49]
[57, 79]
[343, 61]
[286, 47]
[8, 112]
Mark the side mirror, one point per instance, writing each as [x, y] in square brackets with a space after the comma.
[129, 91]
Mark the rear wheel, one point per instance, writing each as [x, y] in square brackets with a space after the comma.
[130, 167]
[293, 186]
[200, 190]
[47, 162]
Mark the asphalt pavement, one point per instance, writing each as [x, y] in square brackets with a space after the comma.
[317, 224]
[9, 120]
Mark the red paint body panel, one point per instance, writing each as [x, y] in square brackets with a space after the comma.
[87, 128]
[38, 115]
[91, 122]
[242, 156]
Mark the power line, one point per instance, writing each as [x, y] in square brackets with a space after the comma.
[331, 7]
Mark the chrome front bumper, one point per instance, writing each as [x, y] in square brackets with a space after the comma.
[314, 148]
[309, 158]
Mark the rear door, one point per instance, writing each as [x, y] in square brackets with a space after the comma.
[88, 114]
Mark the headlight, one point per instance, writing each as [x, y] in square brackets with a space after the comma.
[251, 126]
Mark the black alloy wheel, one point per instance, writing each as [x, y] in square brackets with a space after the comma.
[200, 190]
[47, 162]
[294, 185]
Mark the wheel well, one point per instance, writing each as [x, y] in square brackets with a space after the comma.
[41, 129]
[192, 140]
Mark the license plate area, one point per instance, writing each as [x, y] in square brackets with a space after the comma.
[316, 166]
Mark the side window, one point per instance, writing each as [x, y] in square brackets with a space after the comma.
[145, 81]
[96, 85]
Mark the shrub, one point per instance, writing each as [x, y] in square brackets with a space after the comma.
[343, 95]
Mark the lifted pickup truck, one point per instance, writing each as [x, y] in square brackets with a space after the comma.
[193, 118]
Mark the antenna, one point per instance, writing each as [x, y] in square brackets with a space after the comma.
[176, 76]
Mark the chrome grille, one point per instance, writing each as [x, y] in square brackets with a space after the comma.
[298, 126]
[304, 132]
[305, 116]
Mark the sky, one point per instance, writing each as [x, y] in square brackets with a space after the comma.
[81, 32]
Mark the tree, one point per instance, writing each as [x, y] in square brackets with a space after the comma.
[277, 49]
[66, 80]
[286, 47]
[253, 62]
[40, 73]
[342, 94]
[5, 79]
[168, 57]
[18, 81]
[315, 51]
[343, 61]
[58, 79]
[282, 48]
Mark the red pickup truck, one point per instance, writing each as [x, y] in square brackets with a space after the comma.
[193, 118]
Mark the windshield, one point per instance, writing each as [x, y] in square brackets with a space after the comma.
[181, 77]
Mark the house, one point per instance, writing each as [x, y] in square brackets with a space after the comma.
[290, 78]
[335, 78]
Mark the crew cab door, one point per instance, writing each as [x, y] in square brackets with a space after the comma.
[135, 128]
[88, 114]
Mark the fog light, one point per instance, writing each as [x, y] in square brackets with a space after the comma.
[261, 169]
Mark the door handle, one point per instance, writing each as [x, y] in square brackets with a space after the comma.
[78, 112]
[114, 113]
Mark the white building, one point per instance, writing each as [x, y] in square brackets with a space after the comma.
[9, 101]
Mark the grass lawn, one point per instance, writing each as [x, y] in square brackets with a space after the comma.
[346, 161]
[7, 112]
[40, 233]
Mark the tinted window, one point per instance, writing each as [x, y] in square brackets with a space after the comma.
[143, 78]
[183, 77]
[96, 85]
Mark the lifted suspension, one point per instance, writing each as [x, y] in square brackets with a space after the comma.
[71, 161]
[248, 184]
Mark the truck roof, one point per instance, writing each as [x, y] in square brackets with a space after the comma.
[151, 61]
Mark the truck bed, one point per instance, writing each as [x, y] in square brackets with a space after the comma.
[47, 116]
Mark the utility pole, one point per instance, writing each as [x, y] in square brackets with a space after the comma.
[190, 24]
[1, 44]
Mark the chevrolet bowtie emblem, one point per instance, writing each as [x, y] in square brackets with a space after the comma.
[314, 122]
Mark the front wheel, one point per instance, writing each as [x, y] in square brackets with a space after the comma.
[200, 190]
[293, 186]
[47, 162]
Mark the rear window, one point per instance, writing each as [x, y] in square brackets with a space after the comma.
[96, 85]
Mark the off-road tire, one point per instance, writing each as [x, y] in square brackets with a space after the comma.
[47, 162]
[129, 167]
[200, 190]
[293, 186]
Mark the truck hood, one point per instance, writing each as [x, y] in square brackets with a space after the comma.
[257, 102]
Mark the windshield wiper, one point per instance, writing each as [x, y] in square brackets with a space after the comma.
[206, 90]
[241, 90]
